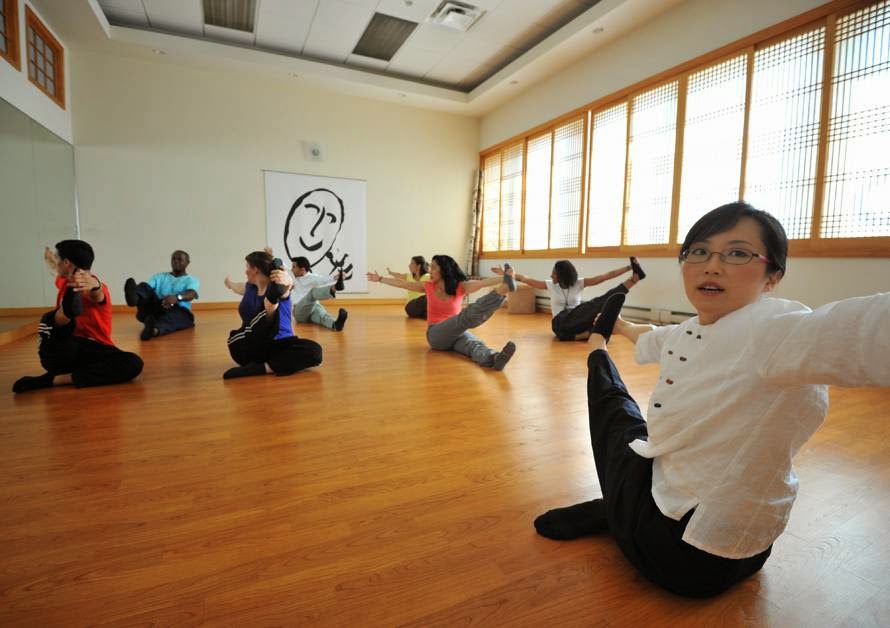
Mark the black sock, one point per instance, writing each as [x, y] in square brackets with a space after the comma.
[609, 314]
[254, 368]
[501, 358]
[341, 320]
[130, 295]
[511, 284]
[637, 269]
[571, 522]
[29, 382]
[340, 285]
[274, 292]
[72, 306]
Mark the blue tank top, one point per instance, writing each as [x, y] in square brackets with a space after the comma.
[252, 304]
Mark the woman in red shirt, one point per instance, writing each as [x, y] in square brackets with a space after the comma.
[448, 324]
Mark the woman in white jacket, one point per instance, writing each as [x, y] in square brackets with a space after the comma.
[696, 495]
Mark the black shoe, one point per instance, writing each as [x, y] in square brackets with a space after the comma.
[72, 304]
[508, 279]
[29, 382]
[341, 320]
[148, 332]
[130, 292]
[605, 322]
[501, 359]
[340, 285]
[254, 368]
[637, 269]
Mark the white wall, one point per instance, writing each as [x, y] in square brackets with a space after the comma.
[171, 156]
[20, 92]
[679, 35]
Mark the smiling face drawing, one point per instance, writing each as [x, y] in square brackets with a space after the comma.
[312, 225]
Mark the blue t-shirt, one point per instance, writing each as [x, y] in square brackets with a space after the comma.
[252, 304]
[165, 284]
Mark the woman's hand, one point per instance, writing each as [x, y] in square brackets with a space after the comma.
[374, 276]
[497, 270]
[281, 277]
[228, 282]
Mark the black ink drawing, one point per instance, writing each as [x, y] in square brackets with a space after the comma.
[311, 229]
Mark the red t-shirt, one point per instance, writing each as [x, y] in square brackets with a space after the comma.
[438, 310]
[95, 322]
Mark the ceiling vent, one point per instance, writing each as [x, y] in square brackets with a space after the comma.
[457, 15]
[384, 36]
[235, 14]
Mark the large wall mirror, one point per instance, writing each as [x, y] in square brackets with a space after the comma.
[37, 205]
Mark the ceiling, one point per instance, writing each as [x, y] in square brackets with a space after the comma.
[513, 45]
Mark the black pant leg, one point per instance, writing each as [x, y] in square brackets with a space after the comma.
[98, 364]
[580, 319]
[147, 302]
[289, 355]
[416, 308]
[651, 541]
[250, 343]
[173, 319]
[57, 346]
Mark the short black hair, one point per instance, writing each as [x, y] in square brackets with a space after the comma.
[727, 216]
[566, 274]
[187, 256]
[302, 262]
[77, 252]
[451, 273]
[260, 260]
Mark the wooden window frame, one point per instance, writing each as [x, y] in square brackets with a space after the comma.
[815, 246]
[13, 46]
[34, 22]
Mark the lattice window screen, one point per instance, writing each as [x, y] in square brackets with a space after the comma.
[537, 191]
[491, 202]
[783, 136]
[4, 45]
[856, 201]
[651, 166]
[608, 152]
[511, 198]
[566, 191]
[712, 139]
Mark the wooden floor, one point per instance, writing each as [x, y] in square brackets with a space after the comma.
[390, 486]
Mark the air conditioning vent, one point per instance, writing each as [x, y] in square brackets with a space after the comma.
[457, 15]
[235, 14]
[383, 37]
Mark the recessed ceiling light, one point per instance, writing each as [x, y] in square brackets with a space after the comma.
[409, 3]
[158, 51]
[597, 30]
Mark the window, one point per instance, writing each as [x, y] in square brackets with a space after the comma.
[46, 61]
[491, 200]
[712, 139]
[795, 120]
[856, 202]
[783, 139]
[608, 159]
[650, 165]
[9, 32]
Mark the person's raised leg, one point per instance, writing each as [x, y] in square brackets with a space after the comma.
[290, 355]
[320, 316]
[174, 319]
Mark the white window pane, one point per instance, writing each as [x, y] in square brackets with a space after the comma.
[651, 166]
[537, 192]
[491, 199]
[565, 202]
[607, 161]
[712, 140]
[511, 198]
[786, 95]
[857, 189]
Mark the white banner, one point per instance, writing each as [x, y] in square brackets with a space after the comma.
[323, 219]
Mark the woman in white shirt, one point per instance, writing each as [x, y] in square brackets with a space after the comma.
[696, 495]
[572, 319]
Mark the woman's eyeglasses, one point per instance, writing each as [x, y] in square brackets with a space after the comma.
[735, 256]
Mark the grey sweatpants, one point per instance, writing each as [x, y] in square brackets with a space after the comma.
[309, 310]
[452, 335]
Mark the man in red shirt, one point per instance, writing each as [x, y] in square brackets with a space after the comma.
[75, 338]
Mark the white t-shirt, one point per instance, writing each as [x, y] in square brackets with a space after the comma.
[303, 285]
[737, 399]
[562, 298]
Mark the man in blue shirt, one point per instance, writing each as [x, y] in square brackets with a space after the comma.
[163, 303]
